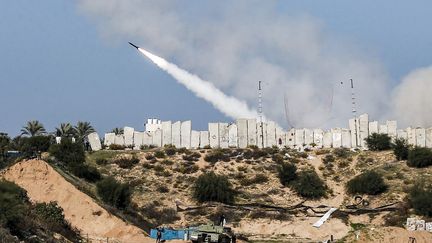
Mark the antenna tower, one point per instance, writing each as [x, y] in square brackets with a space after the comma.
[260, 112]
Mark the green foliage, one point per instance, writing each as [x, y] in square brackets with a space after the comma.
[419, 157]
[287, 173]
[126, 163]
[401, 149]
[369, 182]
[116, 147]
[68, 152]
[117, 131]
[101, 161]
[170, 150]
[216, 155]
[192, 156]
[328, 159]
[30, 146]
[33, 128]
[82, 130]
[89, 173]
[210, 187]
[341, 152]
[309, 185]
[12, 203]
[378, 142]
[159, 154]
[114, 193]
[65, 130]
[420, 197]
[51, 212]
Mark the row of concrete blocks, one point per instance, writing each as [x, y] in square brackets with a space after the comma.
[247, 132]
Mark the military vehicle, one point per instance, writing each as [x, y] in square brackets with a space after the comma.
[212, 234]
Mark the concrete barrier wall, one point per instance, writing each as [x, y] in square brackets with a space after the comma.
[247, 132]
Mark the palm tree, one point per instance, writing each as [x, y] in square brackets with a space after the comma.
[117, 131]
[82, 130]
[33, 128]
[65, 130]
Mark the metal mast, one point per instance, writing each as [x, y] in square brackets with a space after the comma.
[260, 112]
[354, 110]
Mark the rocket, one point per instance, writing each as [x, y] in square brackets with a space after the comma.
[133, 45]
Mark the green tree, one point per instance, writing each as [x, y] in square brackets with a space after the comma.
[33, 128]
[378, 142]
[420, 198]
[210, 187]
[12, 203]
[65, 130]
[117, 131]
[309, 185]
[419, 157]
[287, 173]
[4, 145]
[68, 152]
[114, 193]
[401, 149]
[82, 130]
[369, 182]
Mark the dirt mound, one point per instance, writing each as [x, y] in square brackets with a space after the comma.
[44, 184]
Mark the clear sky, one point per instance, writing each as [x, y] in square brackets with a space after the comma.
[56, 66]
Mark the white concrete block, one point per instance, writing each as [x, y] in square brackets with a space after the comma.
[138, 140]
[383, 129]
[290, 138]
[195, 139]
[402, 134]
[429, 137]
[94, 141]
[242, 133]
[261, 134]
[109, 139]
[214, 134]
[176, 134]
[119, 139]
[280, 137]
[185, 134]
[354, 128]
[346, 138]
[364, 128]
[166, 133]
[412, 137]
[223, 135]
[337, 137]
[308, 137]
[128, 135]
[327, 139]
[392, 128]
[252, 132]
[373, 127]
[318, 137]
[157, 138]
[232, 136]
[299, 138]
[421, 137]
[271, 134]
[204, 139]
[147, 138]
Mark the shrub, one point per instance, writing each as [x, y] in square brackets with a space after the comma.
[420, 198]
[341, 152]
[287, 173]
[419, 157]
[12, 203]
[126, 163]
[309, 185]
[116, 147]
[101, 161]
[400, 148]
[378, 142]
[68, 152]
[192, 157]
[89, 173]
[149, 157]
[215, 156]
[328, 159]
[369, 182]
[114, 193]
[51, 212]
[170, 150]
[277, 158]
[159, 154]
[210, 187]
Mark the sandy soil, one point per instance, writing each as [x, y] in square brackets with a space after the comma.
[392, 235]
[44, 184]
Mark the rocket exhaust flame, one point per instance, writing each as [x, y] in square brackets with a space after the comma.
[228, 105]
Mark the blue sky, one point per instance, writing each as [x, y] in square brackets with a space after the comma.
[55, 66]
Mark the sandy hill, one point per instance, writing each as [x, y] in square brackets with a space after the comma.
[44, 184]
[163, 182]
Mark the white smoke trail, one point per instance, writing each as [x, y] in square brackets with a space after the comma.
[228, 105]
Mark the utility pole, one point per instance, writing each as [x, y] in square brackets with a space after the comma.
[260, 113]
[354, 111]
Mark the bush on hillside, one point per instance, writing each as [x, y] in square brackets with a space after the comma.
[420, 198]
[12, 203]
[52, 213]
[419, 157]
[378, 142]
[210, 187]
[88, 173]
[401, 149]
[369, 182]
[68, 152]
[287, 173]
[192, 156]
[126, 163]
[116, 147]
[342, 152]
[114, 193]
[170, 150]
[309, 185]
[216, 155]
[159, 154]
